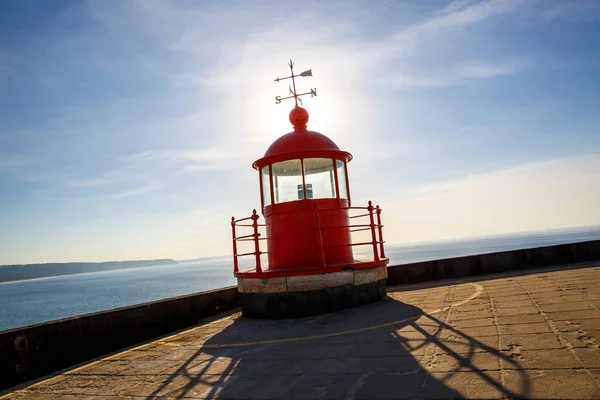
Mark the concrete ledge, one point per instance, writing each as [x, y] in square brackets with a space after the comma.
[312, 302]
[368, 275]
[37, 350]
[512, 260]
[303, 283]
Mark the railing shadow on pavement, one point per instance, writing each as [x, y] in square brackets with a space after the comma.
[384, 350]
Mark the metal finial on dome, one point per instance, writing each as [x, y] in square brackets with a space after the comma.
[298, 115]
[299, 118]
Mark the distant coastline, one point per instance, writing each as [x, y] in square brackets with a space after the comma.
[23, 272]
[400, 253]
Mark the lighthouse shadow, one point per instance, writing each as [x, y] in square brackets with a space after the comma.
[385, 350]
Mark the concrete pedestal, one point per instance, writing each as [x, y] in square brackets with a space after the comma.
[306, 295]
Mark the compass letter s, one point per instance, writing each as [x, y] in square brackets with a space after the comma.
[277, 99]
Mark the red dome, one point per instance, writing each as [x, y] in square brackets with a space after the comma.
[294, 142]
[302, 144]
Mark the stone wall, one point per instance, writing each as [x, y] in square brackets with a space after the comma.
[512, 260]
[37, 350]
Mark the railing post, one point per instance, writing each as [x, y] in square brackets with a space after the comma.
[379, 228]
[320, 238]
[373, 238]
[235, 260]
[256, 244]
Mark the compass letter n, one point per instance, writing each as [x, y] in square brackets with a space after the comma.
[313, 92]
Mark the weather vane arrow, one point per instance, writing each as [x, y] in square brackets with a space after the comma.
[292, 88]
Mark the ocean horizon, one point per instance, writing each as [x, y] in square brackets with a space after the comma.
[44, 299]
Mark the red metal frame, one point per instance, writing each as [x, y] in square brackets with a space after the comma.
[374, 225]
[262, 195]
[254, 236]
[335, 173]
[303, 179]
[347, 182]
[272, 193]
[297, 155]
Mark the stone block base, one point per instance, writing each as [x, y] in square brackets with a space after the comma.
[311, 302]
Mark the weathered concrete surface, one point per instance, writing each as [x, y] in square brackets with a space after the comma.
[512, 260]
[534, 335]
[36, 350]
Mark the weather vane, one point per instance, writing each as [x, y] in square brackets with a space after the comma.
[292, 87]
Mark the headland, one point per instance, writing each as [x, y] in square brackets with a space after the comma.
[22, 272]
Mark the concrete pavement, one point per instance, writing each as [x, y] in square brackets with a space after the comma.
[535, 335]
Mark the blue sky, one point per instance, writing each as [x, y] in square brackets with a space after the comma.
[128, 128]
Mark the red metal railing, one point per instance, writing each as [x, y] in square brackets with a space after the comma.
[254, 236]
[374, 214]
[374, 226]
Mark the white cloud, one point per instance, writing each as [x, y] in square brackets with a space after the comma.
[94, 182]
[215, 158]
[461, 15]
[456, 5]
[11, 162]
[483, 70]
[234, 54]
[200, 159]
[571, 11]
[149, 187]
[537, 196]
[458, 74]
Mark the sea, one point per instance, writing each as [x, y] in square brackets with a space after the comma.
[38, 300]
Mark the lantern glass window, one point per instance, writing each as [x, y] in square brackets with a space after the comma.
[341, 175]
[287, 181]
[320, 178]
[266, 185]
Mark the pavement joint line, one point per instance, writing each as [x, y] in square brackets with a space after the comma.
[593, 306]
[476, 293]
[560, 338]
[495, 322]
[421, 305]
[438, 335]
[558, 302]
[360, 381]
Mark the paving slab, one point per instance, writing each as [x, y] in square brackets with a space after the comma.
[553, 384]
[539, 341]
[527, 335]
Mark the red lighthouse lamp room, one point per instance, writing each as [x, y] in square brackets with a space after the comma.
[309, 222]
